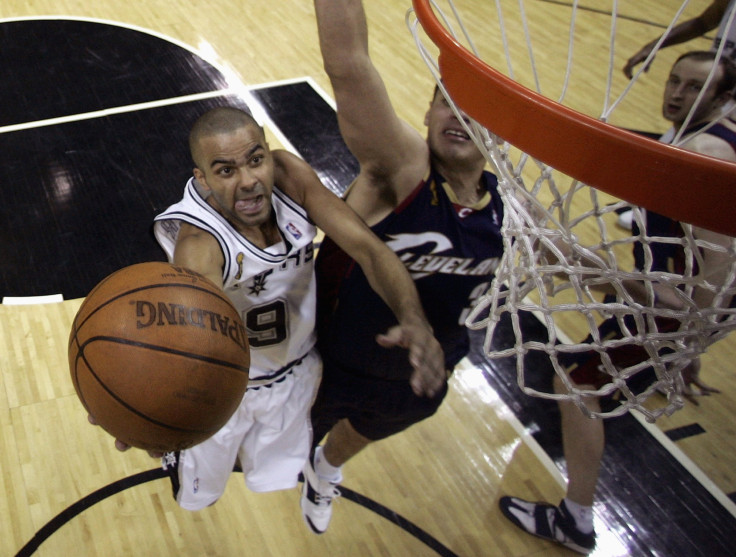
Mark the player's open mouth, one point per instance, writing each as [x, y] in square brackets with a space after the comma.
[457, 134]
[250, 205]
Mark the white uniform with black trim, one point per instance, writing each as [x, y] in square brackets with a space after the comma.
[274, 291]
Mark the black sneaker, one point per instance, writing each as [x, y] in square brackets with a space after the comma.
[547, 521]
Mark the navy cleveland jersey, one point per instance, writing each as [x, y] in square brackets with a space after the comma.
[666, 257]
[451, 252]
[670, 257]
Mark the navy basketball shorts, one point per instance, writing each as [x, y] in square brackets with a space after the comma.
[586, 368]
[376, 408]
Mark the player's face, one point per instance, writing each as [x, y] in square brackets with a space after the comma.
[237, 168]
[445, 134]
[686, 80]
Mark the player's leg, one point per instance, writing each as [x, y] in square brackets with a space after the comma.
[583, 443]
[276, 447]
[343, 443]
[571, 522]
[340, 394]
[371, 409]
[199, 475]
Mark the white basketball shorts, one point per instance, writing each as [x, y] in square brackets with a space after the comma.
[269, 433]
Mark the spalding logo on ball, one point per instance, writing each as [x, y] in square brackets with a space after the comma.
[159, 356]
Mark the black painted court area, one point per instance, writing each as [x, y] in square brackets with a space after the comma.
[79, 198]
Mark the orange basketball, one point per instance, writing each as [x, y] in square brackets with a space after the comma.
[159, 356]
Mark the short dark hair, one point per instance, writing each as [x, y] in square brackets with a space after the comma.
[728, 80]
[223, 119]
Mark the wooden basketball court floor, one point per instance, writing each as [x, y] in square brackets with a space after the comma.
[97, 101]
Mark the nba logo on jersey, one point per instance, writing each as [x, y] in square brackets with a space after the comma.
[293, 230]
[195, 485]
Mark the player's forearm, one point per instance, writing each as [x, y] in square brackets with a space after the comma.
[343, 35]
[392, 282]
[683, 32]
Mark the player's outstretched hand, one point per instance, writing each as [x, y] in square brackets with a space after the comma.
[691, 378]
[120, 445]
[425, 355]
[637, 59]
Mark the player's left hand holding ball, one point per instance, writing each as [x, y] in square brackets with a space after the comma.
[120, 445]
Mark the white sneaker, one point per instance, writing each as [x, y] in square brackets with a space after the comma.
[626, 219]
[316, 500]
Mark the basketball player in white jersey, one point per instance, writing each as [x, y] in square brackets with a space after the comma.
[247, 222]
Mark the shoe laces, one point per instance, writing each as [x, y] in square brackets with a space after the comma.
[557, 531]
[324, 496]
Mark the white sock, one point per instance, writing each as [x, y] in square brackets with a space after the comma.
[324, 469]
[583, 515]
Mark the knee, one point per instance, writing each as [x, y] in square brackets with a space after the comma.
[560, 388]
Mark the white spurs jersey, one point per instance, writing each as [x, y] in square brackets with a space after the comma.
[273, 289]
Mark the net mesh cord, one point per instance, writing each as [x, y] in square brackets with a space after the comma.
[559, 259]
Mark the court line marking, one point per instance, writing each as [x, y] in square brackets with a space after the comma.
[237, 86]
[113, 111]
[465, 371]
[129, 482]
[694, 470]
[29, 300]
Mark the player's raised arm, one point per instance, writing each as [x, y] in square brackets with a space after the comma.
[381, 141]
[683, 32]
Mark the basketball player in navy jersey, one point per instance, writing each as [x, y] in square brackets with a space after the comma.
[247, 222]
[571, 523]
[433, 204]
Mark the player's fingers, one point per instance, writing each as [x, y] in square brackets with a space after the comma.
[705, 389]
[427, 379]
[424, 386]
[428, 356]
[691, 397]
[392, 337]
[91, 419]
[425, 356]
[416, 385]
[386, 341]
[122, 447]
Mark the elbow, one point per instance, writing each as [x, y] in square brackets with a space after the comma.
[342, 68]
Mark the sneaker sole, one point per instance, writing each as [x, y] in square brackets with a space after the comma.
[311, 526]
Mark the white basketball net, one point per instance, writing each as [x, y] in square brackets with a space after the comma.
[552, 268]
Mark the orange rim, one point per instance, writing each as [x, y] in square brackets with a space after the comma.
[680, 184]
